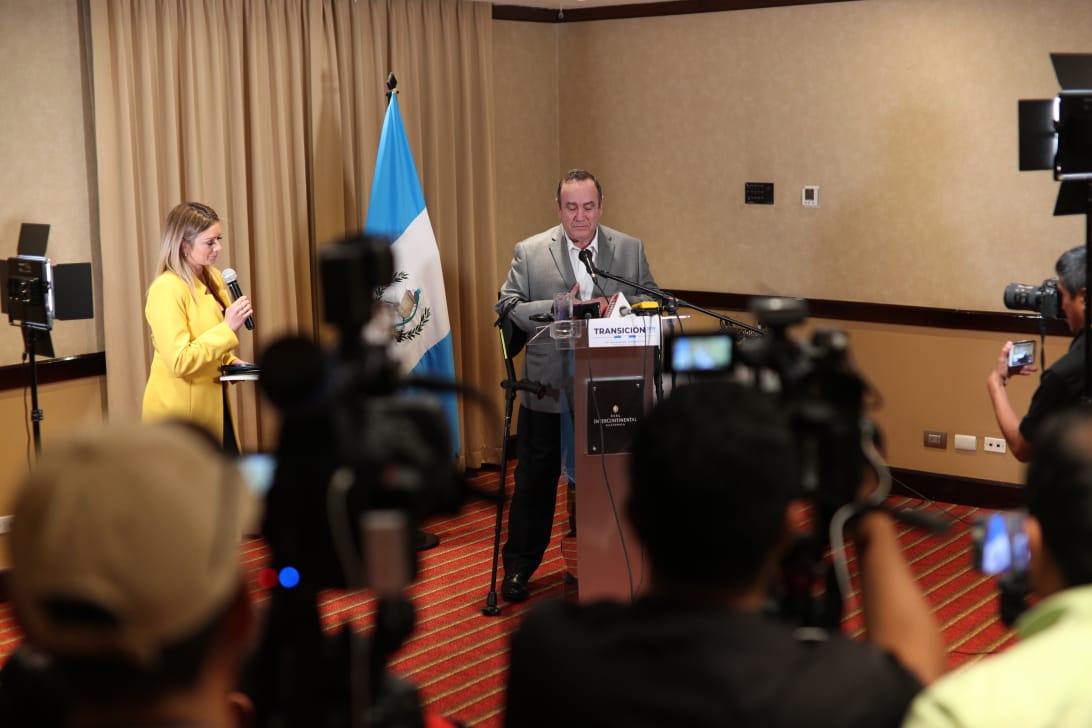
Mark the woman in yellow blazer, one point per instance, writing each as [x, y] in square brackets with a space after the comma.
[193, 323]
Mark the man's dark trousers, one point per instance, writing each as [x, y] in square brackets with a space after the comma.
[531, 514]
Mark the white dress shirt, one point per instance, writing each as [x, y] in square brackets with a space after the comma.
[582, 276]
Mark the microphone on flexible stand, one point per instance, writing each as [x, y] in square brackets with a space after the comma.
[586, 258]
[231, 278]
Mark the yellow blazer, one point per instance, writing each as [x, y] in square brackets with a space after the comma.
[191, 341]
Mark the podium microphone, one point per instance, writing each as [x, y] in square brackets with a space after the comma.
[231, 278]
[585, 257]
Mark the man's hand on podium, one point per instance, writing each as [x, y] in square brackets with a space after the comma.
[601, 301]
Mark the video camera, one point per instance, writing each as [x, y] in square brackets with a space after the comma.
[358, 467]
[814, 379]
[1044, 299]
[825, 398]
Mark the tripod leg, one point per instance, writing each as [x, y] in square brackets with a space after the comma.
[30, 337]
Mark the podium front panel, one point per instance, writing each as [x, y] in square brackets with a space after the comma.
[612, 390]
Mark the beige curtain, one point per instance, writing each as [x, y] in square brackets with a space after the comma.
[270, 111]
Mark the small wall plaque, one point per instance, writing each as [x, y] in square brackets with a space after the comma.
[758, 193]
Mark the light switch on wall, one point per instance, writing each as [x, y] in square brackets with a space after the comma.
[966, 442]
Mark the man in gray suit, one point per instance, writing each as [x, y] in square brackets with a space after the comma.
[542, 266]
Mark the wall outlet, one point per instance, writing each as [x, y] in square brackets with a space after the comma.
[5, 523]
[966, 442]
[994, 444]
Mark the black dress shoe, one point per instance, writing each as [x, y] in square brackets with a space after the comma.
[516, 587]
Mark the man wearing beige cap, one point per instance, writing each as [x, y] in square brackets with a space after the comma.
[126, 575]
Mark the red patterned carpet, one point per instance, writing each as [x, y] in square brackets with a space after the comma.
[964, 600]
[457, 657]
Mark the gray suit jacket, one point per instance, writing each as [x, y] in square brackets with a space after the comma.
[541, 268]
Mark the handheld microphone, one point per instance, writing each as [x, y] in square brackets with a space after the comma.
[585, 258]
[231, 278]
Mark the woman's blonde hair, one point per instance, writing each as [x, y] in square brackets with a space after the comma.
[184, 223]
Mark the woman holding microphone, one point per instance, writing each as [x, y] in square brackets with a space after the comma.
[194, 325]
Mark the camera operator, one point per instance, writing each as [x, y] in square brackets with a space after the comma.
[359, 464]
[1062, 384]
[1043, 681]
[713, 473]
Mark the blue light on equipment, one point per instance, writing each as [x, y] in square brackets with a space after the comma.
[289, 577]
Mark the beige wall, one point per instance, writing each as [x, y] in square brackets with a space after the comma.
[935, 379]
[45, 176]
[46, 173]
[902, 111]
[66, 405]
[927, 379]
[527, 136]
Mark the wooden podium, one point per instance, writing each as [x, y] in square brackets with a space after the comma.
[611, 388]
[229, 374]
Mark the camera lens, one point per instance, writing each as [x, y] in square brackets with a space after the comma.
[1022, 297]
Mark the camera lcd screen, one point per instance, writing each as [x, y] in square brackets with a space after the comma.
[702, 353]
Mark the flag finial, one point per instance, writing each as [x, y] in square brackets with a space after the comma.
[392, 85]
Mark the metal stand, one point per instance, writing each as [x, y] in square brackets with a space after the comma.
[36, 414]
[511, 341]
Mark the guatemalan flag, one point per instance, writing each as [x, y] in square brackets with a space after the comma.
[397, 211]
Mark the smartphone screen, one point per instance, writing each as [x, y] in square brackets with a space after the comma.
[1022, 353]
[1000, 544]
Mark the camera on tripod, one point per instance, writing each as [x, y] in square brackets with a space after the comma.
[824, 398]
[1044, 299]
[821, 390]
[358, 467]
[814, 380]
